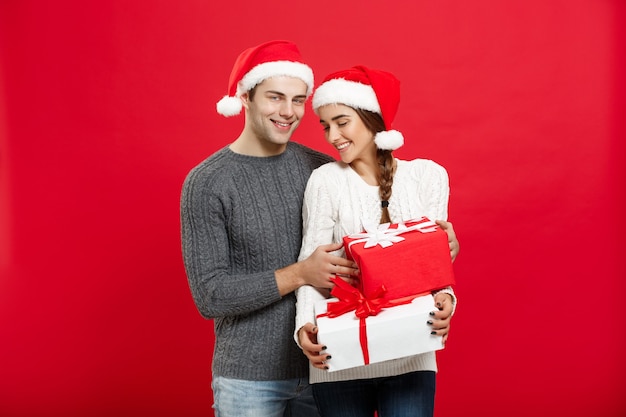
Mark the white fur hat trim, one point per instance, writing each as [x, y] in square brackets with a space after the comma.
[350, 93]
[276, 69]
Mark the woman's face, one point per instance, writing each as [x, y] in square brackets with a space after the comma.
[344, 129]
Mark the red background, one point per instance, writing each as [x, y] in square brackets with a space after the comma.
[105, 106]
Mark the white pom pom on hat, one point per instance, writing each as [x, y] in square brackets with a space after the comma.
[389, 140]
[254, 65]
[229, 106]
[368, 89]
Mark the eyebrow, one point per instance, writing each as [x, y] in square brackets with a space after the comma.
[283, 94]
[339, 116]
[274, 92]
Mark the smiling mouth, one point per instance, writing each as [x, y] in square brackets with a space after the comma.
[281, 124]
[342, 146]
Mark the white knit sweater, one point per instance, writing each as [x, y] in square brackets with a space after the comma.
[337, 202]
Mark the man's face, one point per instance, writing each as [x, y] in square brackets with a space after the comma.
[276, 109]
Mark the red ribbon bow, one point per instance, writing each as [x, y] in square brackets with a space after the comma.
[350, 298]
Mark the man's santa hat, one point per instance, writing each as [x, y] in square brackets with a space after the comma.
[254, 65]
[367, 89]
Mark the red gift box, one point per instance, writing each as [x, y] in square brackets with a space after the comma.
[406, 258]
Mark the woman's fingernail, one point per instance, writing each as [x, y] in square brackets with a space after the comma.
[328, 357]
[326, 367]
[324, 348]
[433, 332]
[429, 322]
[432, 313]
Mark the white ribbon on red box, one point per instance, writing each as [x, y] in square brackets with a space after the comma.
[385, 236]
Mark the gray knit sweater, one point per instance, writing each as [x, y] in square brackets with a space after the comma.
[241, 220]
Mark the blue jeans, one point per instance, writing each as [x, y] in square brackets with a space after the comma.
[242, 398]
[411, 394]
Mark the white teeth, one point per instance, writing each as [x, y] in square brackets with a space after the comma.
[343, 146]
[282, 124]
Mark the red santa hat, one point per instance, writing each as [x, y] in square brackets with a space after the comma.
[254, 65]
[367, 89]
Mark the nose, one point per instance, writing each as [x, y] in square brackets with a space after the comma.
[333, 134]
[286, 109]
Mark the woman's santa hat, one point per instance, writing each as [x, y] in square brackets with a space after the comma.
[367, 89]
[256, 64]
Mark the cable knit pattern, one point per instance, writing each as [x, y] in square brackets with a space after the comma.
[338, 202]
[241, 220]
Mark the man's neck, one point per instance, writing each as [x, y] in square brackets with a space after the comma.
[252, 146]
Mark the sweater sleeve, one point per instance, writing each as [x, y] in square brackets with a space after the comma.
[435, 190]
[318, 226]
[449, 291]
[217, 290]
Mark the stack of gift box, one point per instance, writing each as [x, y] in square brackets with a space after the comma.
[385, 316]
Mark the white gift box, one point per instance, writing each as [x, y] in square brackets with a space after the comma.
[395, 332]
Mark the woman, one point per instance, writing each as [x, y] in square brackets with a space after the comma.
[356, 108]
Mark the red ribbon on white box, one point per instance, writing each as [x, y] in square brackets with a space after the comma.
[350, 298]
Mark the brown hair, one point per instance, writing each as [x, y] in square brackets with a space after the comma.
[252, 92]
[375, 123]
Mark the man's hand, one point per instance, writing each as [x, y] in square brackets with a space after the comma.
[316, 270]
[322, 265]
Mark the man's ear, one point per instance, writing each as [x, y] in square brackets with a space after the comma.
[245, 100]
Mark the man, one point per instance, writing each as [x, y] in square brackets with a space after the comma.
[241, 235]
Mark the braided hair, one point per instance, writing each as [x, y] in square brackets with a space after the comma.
[374, 123]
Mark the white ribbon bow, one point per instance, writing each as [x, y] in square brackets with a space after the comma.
[383, 235]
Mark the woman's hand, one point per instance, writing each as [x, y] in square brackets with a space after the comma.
[452, 240]
[440, 318]
[307, 336]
